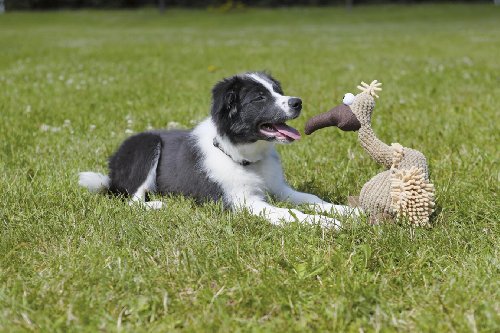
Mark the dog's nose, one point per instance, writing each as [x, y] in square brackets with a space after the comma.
[295, 103]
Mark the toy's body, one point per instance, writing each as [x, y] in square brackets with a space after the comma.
[403, 190]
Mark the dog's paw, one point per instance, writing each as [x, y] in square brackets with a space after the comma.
[148, 205]
[335, 209]
[154, 205]
[323, 221]
[329, 223]
[279, 215]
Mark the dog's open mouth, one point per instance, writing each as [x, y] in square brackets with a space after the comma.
[280, 131]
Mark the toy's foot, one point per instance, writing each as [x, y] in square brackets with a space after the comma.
[379, 218]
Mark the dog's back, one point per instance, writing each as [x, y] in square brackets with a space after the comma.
[163, 162]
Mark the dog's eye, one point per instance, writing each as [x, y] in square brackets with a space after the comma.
[259, 98]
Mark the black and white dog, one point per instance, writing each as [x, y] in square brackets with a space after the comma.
[230, 156]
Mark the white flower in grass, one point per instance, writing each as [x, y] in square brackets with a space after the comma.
[468, 61]
[91, 127]
[129, 131]
[194, 121]
[350, 154]
[173, 125]
[48, 128]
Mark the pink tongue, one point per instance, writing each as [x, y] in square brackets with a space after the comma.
[287, 131]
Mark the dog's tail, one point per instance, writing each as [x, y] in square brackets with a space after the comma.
[95, 182]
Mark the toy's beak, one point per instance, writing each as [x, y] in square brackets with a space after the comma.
[340, 116]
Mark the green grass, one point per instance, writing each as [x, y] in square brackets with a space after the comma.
[72, 261]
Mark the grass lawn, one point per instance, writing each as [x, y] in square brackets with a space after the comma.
[73, 85]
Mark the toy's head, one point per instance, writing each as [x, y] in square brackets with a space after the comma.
[352, 114]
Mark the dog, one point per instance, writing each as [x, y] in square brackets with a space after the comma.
[228, 157]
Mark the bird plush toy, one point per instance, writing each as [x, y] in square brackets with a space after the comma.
[403, 190]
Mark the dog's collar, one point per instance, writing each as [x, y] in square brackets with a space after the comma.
[242, 162]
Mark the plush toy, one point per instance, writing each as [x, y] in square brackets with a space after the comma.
[403, 190]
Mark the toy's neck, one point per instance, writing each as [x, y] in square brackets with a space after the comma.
[378, 150]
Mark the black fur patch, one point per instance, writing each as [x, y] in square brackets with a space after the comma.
[130, 165]
[179, 169]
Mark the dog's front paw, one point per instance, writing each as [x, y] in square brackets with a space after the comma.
[335, 209]
[330, 223]
[279, 215]
[293, 215]
[324, 221]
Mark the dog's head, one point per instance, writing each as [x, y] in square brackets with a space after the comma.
[251, 107]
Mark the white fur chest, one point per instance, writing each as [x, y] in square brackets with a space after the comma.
[239, 183]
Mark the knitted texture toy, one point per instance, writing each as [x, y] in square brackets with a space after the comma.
[403, 190]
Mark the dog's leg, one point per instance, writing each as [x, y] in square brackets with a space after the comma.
[139, 197]
[284, 192]
[277, 186]
[133, 168]
[278, 215]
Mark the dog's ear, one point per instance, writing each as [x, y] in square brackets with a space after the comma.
[230, 100]
[225, 95]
